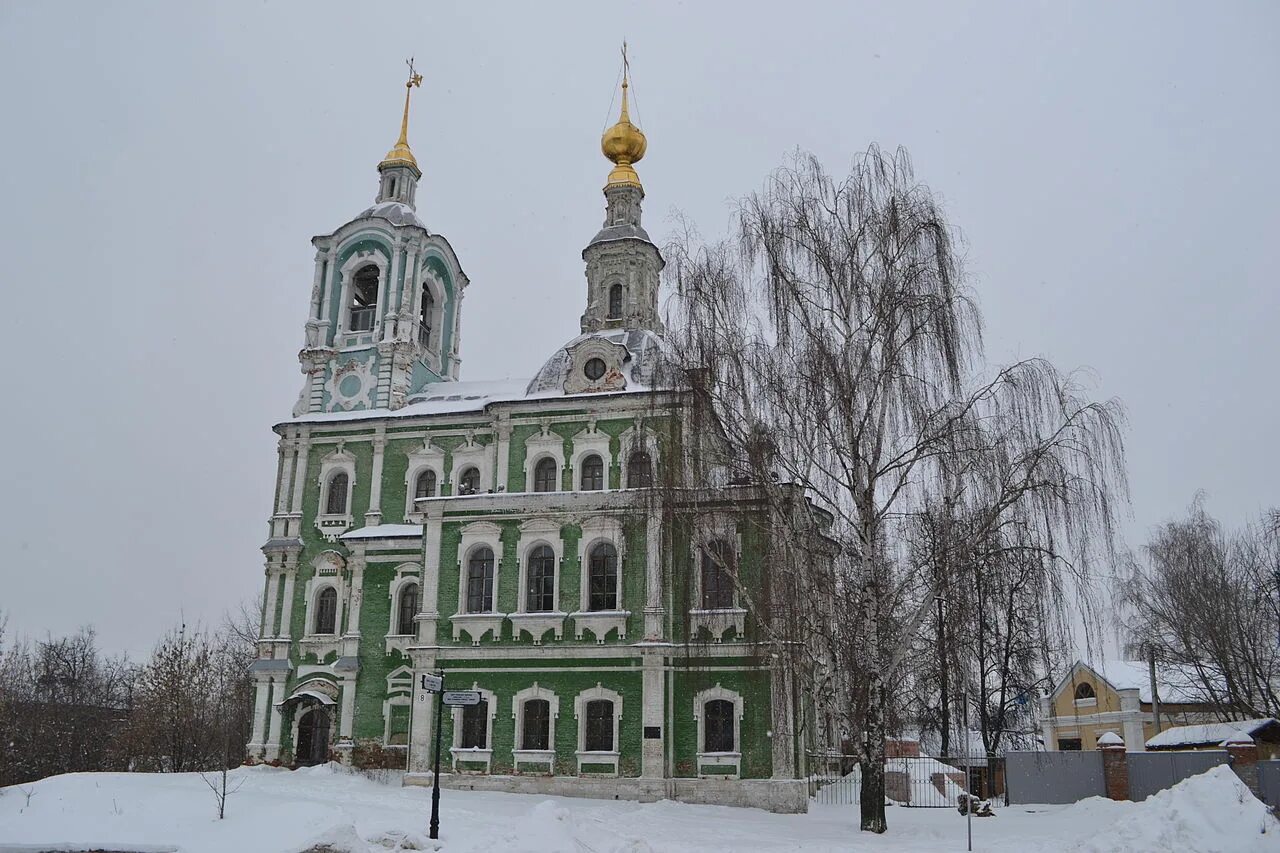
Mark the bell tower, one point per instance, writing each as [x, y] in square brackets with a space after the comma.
[623, 264]
[386, 298]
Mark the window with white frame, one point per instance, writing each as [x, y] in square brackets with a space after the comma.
[717, 726]
[363, 308]
[599, 714]
[424, 485]
[480, 573]
[473, 730]
[602, 577]
[407, 608]
[717, 575]
[535, 710]
[337, 493]
[592, 478]
[475, 726]
[718, 712]
[326, 611]
[546, 475]
[540, 580]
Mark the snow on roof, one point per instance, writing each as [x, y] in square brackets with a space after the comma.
[385, 531]
[1214, 733]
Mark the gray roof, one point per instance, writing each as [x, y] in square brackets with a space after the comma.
[277, 543]
[644, 362]
[620, 232]
[268, 665]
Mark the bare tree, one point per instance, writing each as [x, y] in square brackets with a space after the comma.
[832, 347]
[1208, 600]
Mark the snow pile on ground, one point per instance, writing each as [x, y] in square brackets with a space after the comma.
[335, 810]
[1214, 811]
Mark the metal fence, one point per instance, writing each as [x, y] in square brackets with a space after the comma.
[1269, 782]
[1053, 777]
[920, 782]
[1152, 772]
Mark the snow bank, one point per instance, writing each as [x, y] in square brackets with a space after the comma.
[1210, 813]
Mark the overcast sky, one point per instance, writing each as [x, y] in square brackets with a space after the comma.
[1112, 167]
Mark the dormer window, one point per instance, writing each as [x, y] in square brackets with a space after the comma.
[1084, 690]
[364, 299]
[615, 302]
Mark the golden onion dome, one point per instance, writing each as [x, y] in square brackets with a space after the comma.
[623, 144]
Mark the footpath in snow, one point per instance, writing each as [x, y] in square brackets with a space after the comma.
[278, 811]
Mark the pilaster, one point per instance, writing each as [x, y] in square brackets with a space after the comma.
[653, 712]
[272, 751]
[374, 516]
[653, 610]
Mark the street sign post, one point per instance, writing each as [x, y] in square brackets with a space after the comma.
[454, 698]
[435, 685]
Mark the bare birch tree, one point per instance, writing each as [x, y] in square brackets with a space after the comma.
[833, 347]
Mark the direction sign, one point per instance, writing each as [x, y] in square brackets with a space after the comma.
[430, 683]
[461, 697]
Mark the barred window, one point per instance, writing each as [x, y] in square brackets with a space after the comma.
[480, 581]
[475, 725]
[545, 474]
[336, 499]
[408, 608]
[599, 734]
[592, 473]
[717, 726]
[537, 725]
[327, 611]
[602, 573]
[717, 576]
[541, 577]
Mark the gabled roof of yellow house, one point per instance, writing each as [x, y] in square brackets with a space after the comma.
[1175, 682]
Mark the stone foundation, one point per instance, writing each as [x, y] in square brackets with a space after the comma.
[785, 796]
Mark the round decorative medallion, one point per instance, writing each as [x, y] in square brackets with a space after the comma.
[594, 368]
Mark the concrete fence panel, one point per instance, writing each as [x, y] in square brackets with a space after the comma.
[1151, 772]
[1053, 777]
[1269, 782]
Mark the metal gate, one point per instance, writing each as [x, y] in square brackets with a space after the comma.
[1053, 777]
[1152, 772]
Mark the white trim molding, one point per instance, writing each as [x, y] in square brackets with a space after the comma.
[406, 574]
[584, 756]
[596, 530]
[429, 457]
[543, 445]
[536, 623]
[338, 461]
[588, 441]
[718, 759]
[475, 535]
[473, 753]
[535, 756]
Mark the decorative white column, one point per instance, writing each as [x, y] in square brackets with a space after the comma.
[422, 722]
[299, 471]
[652, 716]
[373, 517]
[286, 611]
[382, 329]
[783, 721]
[345, 727]
[287, 455]
[503, 449]
[262, 688]
[410, 293]
[653, 610]
[273, 739]
[269, 628]
[429, 606]
[317, 285]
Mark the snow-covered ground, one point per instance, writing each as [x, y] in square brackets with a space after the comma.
[277, 811]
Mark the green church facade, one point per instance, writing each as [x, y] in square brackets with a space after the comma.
[521, 538]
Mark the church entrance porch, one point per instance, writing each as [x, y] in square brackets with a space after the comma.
[313, 737]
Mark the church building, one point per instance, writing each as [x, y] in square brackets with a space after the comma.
[521, 538]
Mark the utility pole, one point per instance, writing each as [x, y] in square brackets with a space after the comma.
[1155, 694]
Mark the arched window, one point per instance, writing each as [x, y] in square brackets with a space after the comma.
[469, 481]
[537, 725]
[335, 502]
[1084, 690]
[408, 608]
[615, 301]
[717, 576]
[718, 726]
[364, 298]
[603, 578]
[592, 473]
[427, 316]
[639, 470]
[541, 576]
[425, 485]
[480, 581]
[475, 725]
[599, 734]
[545, 474]
[327, 611]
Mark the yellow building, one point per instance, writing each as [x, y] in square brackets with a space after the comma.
[1116, 696]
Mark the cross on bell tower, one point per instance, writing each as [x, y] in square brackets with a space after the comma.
[399, 169]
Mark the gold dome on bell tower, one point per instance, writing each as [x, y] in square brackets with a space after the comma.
[624, 143]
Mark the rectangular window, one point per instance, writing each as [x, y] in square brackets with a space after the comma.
[537, 725]
[475, 726]
[599, 735]
[1070, 744]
